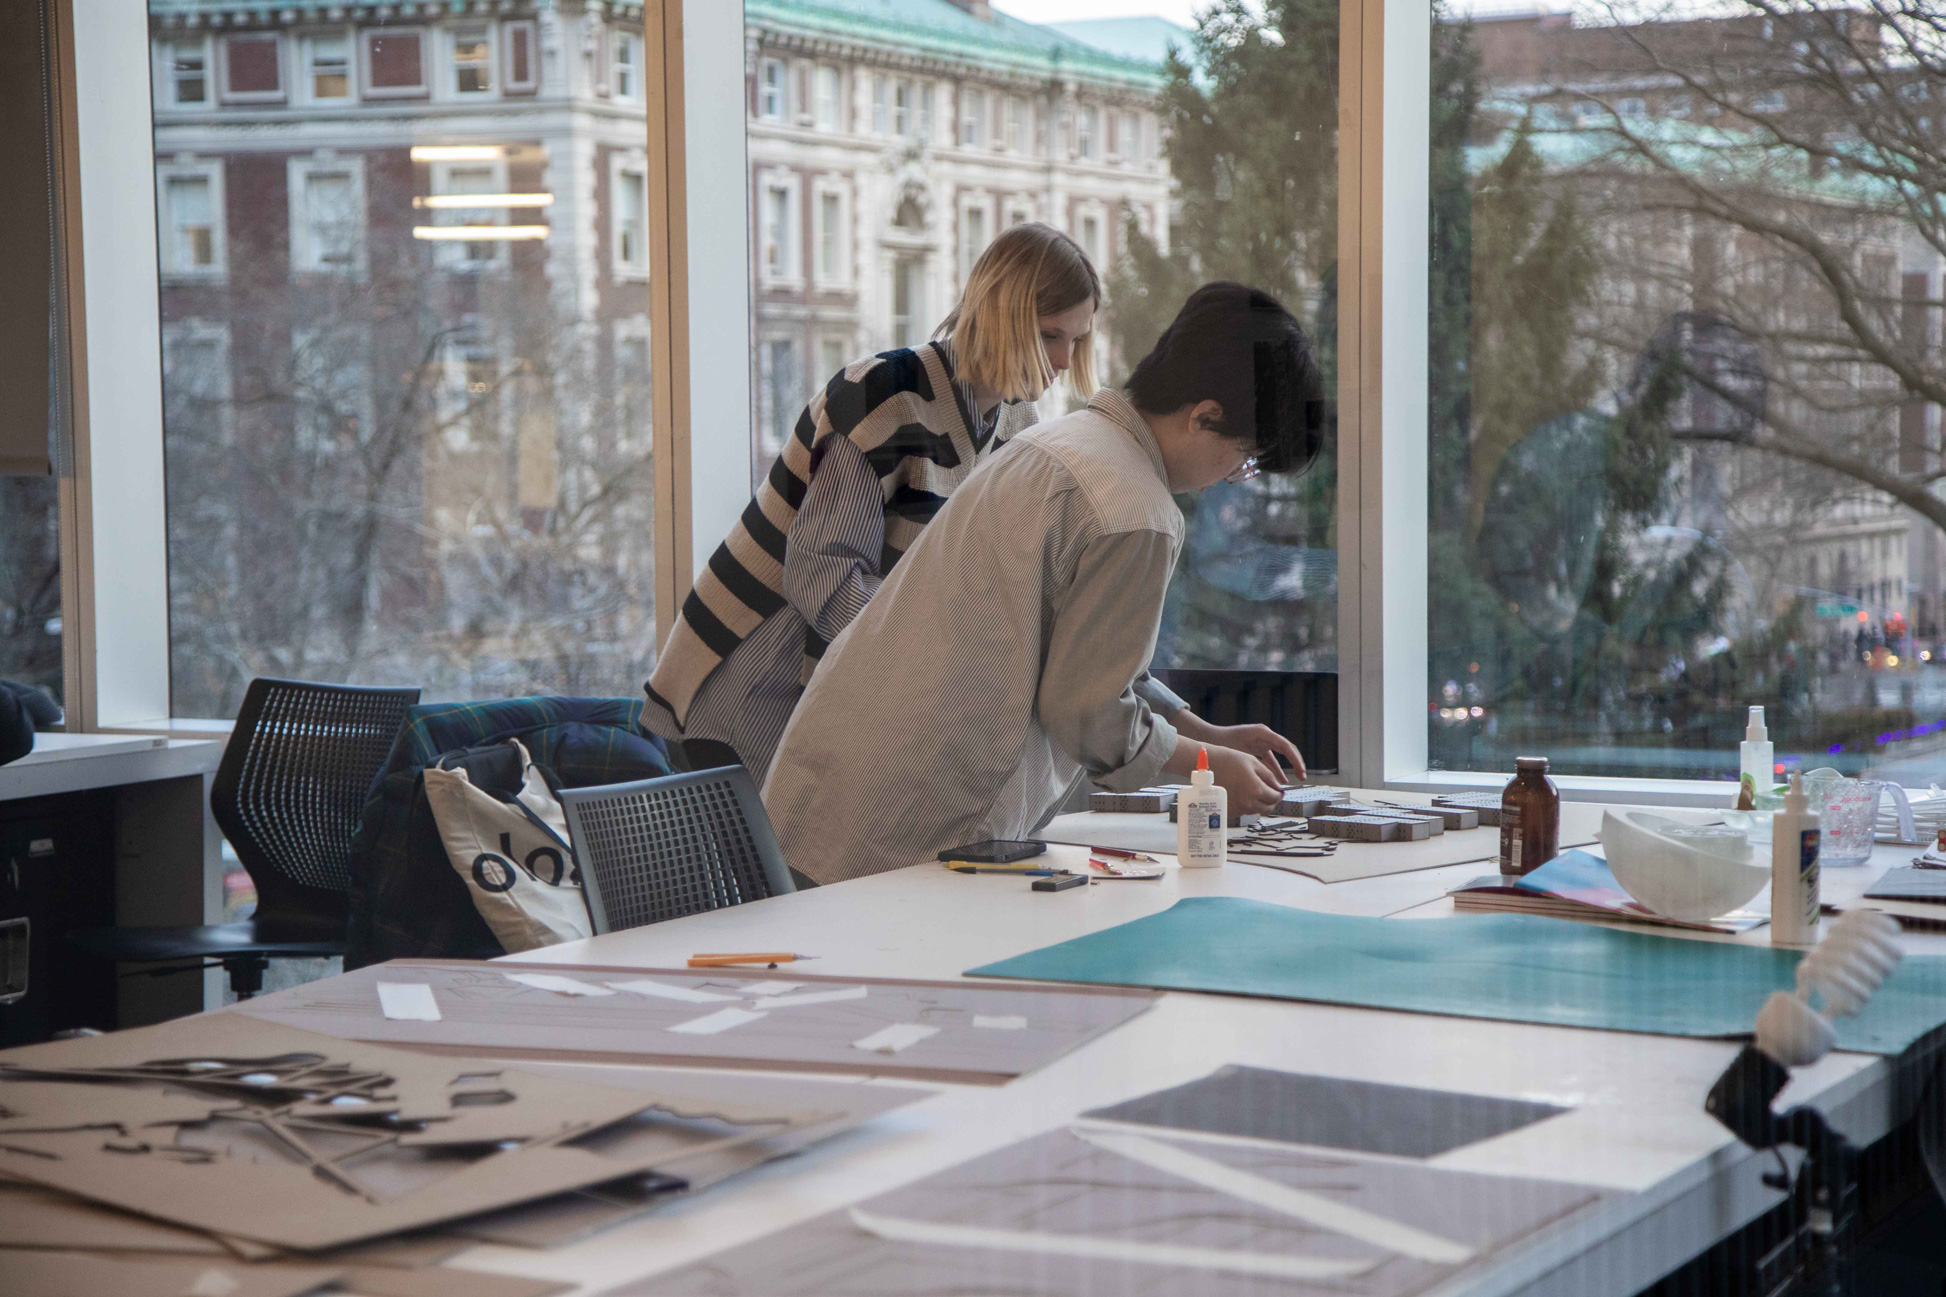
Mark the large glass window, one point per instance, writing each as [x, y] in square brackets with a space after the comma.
[1222, 197]
[30, 582]
[1686, 383]
[406, 426]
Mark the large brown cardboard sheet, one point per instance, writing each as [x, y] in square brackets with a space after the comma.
[231, 1125]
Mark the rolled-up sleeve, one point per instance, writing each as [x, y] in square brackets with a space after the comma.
[1161, 697]
[1103, 633]
[831, 565]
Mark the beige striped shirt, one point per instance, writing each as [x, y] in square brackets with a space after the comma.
[998, 666]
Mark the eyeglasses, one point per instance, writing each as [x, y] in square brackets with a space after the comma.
[1245, 471]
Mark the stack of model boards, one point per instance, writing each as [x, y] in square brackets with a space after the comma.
[348, 1136]
[1388, 832]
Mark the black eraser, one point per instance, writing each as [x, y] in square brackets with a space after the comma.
[1060, 884]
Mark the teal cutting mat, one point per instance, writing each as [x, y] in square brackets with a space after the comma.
[1516, 967]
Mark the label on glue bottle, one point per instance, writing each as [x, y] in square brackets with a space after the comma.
[1807, 873]
[1202, 838]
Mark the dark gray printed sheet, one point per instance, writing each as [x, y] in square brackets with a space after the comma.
[1098, 1211]
[1295, 1108]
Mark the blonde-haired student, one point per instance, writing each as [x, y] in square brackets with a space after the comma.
[873, 457]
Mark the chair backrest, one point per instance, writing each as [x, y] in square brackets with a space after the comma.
[661, 848]
[290, 788]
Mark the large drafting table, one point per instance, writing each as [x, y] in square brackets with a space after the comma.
[1672, 1181]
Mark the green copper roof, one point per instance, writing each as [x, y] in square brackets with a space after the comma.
[942, 29]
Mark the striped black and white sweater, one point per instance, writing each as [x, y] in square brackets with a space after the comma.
[873, 457]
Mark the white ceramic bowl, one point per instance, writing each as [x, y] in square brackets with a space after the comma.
[1679, 869]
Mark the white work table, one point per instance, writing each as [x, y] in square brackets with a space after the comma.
[1637, 1124]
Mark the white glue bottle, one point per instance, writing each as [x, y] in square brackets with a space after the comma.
[1754, 757]
[1794, 870]
[1202, 814]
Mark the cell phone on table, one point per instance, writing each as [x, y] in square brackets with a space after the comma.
[994, 851]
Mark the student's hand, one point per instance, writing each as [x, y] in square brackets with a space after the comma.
[1242, 775]
[1265, 744]
[1260, 741]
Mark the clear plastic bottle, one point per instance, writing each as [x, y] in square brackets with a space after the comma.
[1530, 818]
[1756, 758]
[1202, 817]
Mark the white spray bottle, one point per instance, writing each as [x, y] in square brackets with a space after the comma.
[1794, 870]
[1202, 819]
[1755, 762]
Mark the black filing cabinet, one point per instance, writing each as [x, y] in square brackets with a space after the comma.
[57, 870]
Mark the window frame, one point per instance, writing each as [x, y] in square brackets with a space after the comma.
[787, 270]
[211, 172]
[773, 96]
[449, 42]
[838, 277]
[299, 170]
[167, 82]
[280, 56]
[458, 254]
[823, 74]
[369, 36]
[622, 69]
[623, 269]
[531, 83]
[307, 66]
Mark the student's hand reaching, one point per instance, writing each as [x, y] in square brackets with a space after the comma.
[1243, 775]
[1260, 741]
[1265, 744]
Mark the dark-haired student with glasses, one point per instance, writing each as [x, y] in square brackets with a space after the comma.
[997, 669]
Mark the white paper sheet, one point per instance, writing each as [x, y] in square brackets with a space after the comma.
[408, 1002]
[769, 988]
[721, 1020]
[1312, 1208]
[894, 1038]
[1106, 1249]
[809, 997]
[668, 991]
[1000, 1022]
[555, 982]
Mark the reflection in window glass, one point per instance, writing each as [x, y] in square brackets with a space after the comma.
[1686, 378]
[407, 433]
[30, 582]
[1256, 590]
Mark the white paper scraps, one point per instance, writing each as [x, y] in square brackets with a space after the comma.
[214, 1283]
[408, 1002]
[769, 988]
[1315, 1209]
[899, 1230]
[668, 991]
[554, 982]
[810, 997]
[892, 1039]
[721, 1020]
[1000, 1022]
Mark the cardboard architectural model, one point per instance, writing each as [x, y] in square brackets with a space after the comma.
[245, 1129]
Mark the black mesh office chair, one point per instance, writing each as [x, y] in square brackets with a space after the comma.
[287, 794]
[661, 848]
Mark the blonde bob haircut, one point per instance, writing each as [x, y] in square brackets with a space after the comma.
[1030, 271]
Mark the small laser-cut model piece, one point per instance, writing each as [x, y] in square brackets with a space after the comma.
[1453, 817]
[1487, 804]
[1365, 827]
[1143, 801]
[1435, 826]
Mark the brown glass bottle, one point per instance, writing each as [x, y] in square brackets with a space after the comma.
[1530, 818]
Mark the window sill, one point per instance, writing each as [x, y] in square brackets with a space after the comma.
[1714, 794]
[174, 727]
